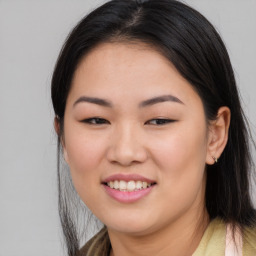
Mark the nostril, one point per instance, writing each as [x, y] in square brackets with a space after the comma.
[127, 157]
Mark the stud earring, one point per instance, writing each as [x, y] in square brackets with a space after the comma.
[215, 159]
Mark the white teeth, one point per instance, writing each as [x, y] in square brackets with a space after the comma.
[122, 185]
[116, 184]
[138, 184]
[111, 184]
[128, 186]
[131, 185]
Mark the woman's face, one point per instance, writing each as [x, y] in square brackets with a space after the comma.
[135, 138]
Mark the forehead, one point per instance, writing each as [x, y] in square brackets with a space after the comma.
[128, 70]
[124, 56]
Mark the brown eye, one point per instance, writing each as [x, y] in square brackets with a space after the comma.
[160, 121]
[95, 121]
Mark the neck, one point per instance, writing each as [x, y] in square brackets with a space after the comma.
[179, 238]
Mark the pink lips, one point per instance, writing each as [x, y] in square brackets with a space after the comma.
[127, 196]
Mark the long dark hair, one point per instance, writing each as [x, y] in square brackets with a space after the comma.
[194, 47]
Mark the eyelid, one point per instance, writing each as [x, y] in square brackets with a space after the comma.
[102, 121]
[95, 121]
[163, 121]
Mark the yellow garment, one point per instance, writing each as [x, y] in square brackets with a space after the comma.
[212, 243]
[214, 240]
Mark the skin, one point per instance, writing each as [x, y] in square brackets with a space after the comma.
[130, 139]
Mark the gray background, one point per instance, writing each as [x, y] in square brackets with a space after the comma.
[31, 34]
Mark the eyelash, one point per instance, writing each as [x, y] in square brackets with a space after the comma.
[100, 121]
[96, 121]
[160, 121]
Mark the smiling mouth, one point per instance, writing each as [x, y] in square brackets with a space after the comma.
[129, 186]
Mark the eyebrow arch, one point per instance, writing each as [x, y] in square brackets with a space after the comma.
[93, 100]
[159, 99]
[149, 102]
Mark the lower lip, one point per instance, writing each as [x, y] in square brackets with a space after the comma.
[126, 196]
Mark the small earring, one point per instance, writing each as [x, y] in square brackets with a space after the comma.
[215, 159]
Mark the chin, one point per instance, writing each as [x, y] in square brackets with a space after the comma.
[131, 226]
[130, 230]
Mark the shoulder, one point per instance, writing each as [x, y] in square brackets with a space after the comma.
[249, 241]
[98, 245]
[213, 240]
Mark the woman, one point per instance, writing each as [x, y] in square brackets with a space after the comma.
[150, 124]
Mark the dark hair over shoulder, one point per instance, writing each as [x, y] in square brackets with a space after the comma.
[194, 47]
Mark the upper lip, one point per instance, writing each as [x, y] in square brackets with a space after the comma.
[127, 177]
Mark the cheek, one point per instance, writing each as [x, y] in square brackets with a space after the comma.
[180, 149]
[83, 155]
[181, 157]
[84, 158]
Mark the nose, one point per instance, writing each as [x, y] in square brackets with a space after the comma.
[126, 146]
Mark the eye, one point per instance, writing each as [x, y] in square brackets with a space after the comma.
[160, 121]
[95, 121]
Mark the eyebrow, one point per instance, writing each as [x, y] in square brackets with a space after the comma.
[159, 99]
[98, 101]
[149, 102]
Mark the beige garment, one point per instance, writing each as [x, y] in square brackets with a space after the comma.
[213, 242]
[218, 240]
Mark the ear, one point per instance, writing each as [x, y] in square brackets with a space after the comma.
[218, 135]
[58, 131]
[57, 125]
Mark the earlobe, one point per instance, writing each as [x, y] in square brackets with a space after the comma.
[58, 131]
[218, 135]
[57, 125]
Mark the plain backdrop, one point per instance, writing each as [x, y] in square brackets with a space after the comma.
[31, 35]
